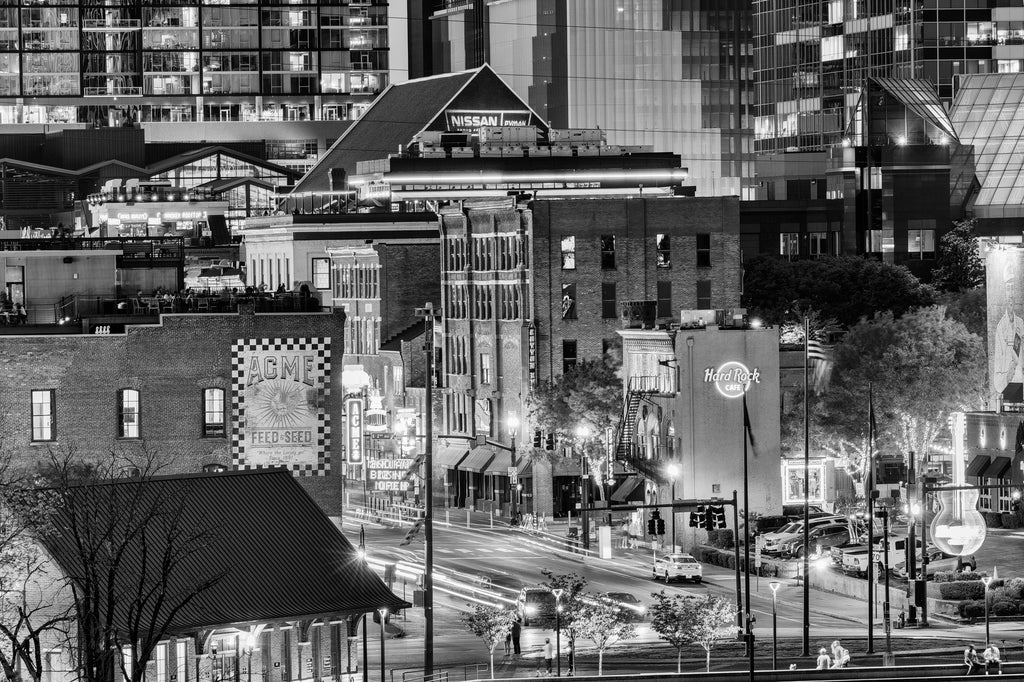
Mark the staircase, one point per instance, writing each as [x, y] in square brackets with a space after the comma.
[639, 388]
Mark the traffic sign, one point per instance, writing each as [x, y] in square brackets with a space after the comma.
[513, 475]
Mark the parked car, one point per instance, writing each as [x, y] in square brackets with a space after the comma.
[671, 566]
[770, 524]
[855, 561]
[625, 605]
[819, 539]
[773, 541]
[897, 551]
[535, 605]
[938, 562]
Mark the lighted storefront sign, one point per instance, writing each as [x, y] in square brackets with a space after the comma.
[958, 529]
[280, 388]
[732, 379]
[388, 475]
[793, 482]
[354, 430]
[470, 120]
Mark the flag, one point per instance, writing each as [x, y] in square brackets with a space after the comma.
[817, 351]
[746, 425]
[820, 358]
[872, 430]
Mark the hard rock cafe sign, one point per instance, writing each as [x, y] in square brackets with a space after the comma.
[732, 379]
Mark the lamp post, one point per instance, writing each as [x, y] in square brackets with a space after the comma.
[383, 617]
[884, 514]
[582, 433]
[912, 509]
[987, 580]
[513, 426]
[775, 624]
[558, 628]
[673, 473]
[362, 558]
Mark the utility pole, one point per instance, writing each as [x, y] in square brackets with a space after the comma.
[427, 313]
[911, 542]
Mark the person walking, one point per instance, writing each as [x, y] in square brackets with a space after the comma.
[549, 655]
[824, 662]
[517, 630]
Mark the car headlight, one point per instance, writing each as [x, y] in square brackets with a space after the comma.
[530, 610]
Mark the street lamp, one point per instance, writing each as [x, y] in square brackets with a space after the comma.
[582, 433]
[383, 617]
[362, 558]
[673, 473]
[558, 627]
[987, 580]
[775, 624]
[361, 552]
[513, 426]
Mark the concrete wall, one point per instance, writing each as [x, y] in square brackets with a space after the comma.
[48, 277]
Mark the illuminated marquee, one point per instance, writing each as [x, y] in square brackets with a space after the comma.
[732, 379]
[470, 120]
[388, 475]
[354, 430]
[279, 391]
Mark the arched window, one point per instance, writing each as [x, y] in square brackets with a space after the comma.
[213, 413]
[128, 413]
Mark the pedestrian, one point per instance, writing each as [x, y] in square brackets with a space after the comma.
[549, 654]
[508, 642]
[517, 630]
[971, 660]
[993, 664]
[840, 656]
[824, 662]
[624, 535]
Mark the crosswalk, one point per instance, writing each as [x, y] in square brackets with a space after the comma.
[486, 550]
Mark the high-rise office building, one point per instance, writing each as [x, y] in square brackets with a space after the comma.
[812, 57]
[125, 61]
[673, 74]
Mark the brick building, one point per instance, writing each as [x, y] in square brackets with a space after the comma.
[199, 391]
[532, 288]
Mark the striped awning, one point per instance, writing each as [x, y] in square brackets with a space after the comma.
[999, 468]
[500, 464]
[625, 488]
[477, 460]
[977, 465]
[449, 456]
[525, 467]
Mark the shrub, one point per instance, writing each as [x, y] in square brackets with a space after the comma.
[968, 576]
[1010, 520]
[993, 519]
[943, 577]
[1013, 588]
[961, 590]
[723, 539]
[1003, 608]
[972, 609]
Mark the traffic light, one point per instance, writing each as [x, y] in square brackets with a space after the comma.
[411, 533]
[652, 523]
[660, 526]
[537, 438]
[697, 517]
[716, 517]
[549, 444]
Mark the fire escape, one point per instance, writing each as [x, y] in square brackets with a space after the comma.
[639, 389]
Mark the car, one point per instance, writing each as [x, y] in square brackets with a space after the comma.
[773, 541]
[819, 540]
[897, 551]
[938, 562]
[856, 560]
[770, 524]
[625, 605]
[535, 605]
[671, 566]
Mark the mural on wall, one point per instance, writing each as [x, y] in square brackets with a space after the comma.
[1004, 269]
[279, 393]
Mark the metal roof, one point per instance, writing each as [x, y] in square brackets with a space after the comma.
[281, 557]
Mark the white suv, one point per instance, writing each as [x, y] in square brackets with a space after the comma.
[682, 566]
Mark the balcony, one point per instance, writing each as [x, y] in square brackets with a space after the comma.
[136, 252]
[113, 91]
[111, 25]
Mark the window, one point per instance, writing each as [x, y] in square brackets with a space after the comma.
[608, 252]
[664, 299]
[569, 253]
[609, 310]
[161, 662]
[180, 660]
[321, 273]
[664, 259]
[485, 368]
[879, 241]
[568, 354]
[704, 294]
[704, 250]
[921, 243]
[213, 412]
[43, 414]
[789, 244]
[128, 413]
[568, 301]
[398, 378]
[818, 244]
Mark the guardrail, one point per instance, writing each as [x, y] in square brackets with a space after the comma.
[469, 671]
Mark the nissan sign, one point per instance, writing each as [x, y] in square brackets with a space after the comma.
[466, 120]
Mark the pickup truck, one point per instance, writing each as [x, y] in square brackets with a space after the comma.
[856, 559]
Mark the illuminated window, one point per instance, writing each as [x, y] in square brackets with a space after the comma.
[128, 413]
[43, 414]
[321, 273]
[789, 244]
[664, 251]
[485, 368]
[213, 412]
[569, 253]
[568, 301]
[921, 243]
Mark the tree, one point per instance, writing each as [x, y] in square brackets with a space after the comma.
[921, 367]
[490, 624]
[571, 603]
[580, 406]
[846, 288]
[129, 557]
[959, 266]
[600, 624]
[682, 620]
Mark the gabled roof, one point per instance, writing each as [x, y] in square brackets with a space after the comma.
[401, 112]
[196, 154]
[281, 557]
[919, 97]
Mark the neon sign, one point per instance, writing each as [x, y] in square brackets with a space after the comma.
[732, 379]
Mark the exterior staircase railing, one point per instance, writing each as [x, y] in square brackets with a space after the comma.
[638, 388]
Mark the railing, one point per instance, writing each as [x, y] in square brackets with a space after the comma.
[127, 245]
[110, 24]
[113, 91]
[204, 302]
[470, 671]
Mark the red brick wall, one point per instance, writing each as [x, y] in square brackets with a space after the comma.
[169, 364]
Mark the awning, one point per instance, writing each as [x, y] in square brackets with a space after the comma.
[500, 464]
[977, 465]
[477, 460]
[622, 492]
[525, 468]
[450, 455]
[999, 468]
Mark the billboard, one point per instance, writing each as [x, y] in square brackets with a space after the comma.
[793, 482]
[1004, 270]
[471, 120]
[279, 392]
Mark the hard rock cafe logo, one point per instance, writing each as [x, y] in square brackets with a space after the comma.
[732, 379]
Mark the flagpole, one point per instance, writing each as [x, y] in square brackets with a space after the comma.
[746, 542]
[807, 509]
[870, 490]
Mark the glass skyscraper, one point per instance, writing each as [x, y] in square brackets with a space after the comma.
[813, 56]
[111, 62]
